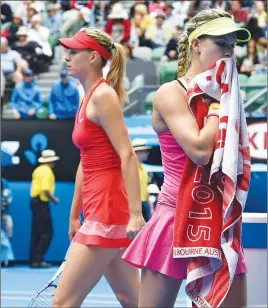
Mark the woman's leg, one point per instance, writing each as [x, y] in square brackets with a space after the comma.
[158, 290]
[237, 296]
[84, 267]
[124, 279]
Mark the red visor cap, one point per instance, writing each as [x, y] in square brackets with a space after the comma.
[82, 41]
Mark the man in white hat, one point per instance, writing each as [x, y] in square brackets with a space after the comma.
[42, 192]
[141, 149]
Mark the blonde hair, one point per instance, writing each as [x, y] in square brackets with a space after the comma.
[183, 44]
[115, 77]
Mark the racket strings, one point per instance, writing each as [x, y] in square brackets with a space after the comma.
[44, 298]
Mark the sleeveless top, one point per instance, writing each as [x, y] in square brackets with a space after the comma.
[103, 190]
[173, 160]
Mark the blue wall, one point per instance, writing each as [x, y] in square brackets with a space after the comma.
[253, 235]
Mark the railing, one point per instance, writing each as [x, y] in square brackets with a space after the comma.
[139, 94]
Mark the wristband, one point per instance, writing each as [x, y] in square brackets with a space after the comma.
[214, 108]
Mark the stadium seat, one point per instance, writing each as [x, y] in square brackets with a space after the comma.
[243, 78]
[259, 79]
[143, 53]
[168, 71]
[158, 53]
[148, 102]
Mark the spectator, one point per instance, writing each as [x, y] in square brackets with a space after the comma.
[118, 24]
[137, 2]
[40, 35]
[171, 52]
[172, 18]
[29, 50]
[250, 60]
[3, 85]
[261, 68]
[32, 10]
[10, 32]
[142, 152]
[254, 29]
[156, 6]
[73, 20]
[240, 14]
[158, 35]
[64, 98]
[141, 19]
[79, 4]
[12, 64]
[6, 223]
[6, 12]
[221, 5]
[53, 22]
[153, 193]
[26, 97]
[42, 192]
[261, 14]
[181, 8]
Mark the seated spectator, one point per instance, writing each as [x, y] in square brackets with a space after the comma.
[156, 6]
[64, 98]
[79, 4]
[10, 32]
[6, 223]
[40, 35]
[52, 21]
[6, 12]
[250, 60]
[73, 20]
[181, 8]
[221, 5]
[172, 18]
[32, 10]
[30, 51]
[136, 2]
[26, 97]
[171, 52]
[158, 35]
[118, 24]
[240, 14]
[254, 29]
[12, 66]
[141, 19]
[261, 14]
[261, 68]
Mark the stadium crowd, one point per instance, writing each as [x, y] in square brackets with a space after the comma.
[30, 32]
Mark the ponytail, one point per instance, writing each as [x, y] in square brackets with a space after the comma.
[183, 50]
[116, 73]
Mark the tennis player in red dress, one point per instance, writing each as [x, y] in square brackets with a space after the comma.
[107, 180]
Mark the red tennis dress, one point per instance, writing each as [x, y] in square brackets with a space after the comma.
[105, 204]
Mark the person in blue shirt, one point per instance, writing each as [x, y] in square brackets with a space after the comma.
[26, 97]
[64, 98]
[6, 223]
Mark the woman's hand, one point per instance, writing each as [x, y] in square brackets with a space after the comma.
[136, 222]
[74, 226]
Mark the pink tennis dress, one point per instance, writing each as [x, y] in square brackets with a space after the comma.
[153, 246]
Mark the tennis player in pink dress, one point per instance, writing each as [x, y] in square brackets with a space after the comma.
[179, 137]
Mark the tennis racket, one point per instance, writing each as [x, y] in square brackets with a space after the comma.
[45, 296]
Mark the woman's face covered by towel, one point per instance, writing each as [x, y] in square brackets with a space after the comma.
[212, 48]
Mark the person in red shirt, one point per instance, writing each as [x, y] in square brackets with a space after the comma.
[118, 24]
[107, 186]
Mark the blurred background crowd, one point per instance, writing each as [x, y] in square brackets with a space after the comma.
[34, 83]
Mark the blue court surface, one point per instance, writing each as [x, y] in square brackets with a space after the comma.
[21, 282]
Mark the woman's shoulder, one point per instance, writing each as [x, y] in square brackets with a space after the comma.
[104, 94]
[169, 88]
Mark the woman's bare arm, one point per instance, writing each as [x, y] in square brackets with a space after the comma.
[77, 197]
[110, 117]
[170, 103]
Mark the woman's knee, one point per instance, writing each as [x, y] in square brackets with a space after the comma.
[127, 300]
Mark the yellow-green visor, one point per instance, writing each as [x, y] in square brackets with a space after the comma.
[218, 27]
